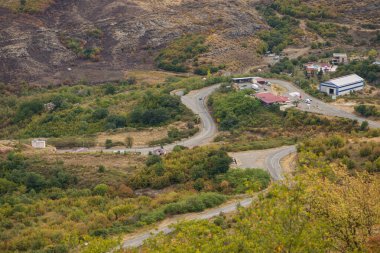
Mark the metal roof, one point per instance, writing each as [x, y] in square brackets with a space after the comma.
[243, 78]
[345, 80]
[339, 55]
[249, 77]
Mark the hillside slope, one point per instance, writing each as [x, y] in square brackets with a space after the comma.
[97, 41]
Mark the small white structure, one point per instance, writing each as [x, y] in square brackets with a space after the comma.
[339, 58]
[255, 87]
[38, 144]
[342, 85]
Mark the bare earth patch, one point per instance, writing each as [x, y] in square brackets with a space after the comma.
[345, 106]
[140, 138]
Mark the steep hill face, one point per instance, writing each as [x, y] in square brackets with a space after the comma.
[99, 40]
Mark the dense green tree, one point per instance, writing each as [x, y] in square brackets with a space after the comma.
[27, 109]
[34, 181]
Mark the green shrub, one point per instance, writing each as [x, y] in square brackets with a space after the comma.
[108, 144]
[72, 142]
[153, 216]
[116, 121]
[195, 203]
[241, 180]
[364, 126]
[174, 57]
[109, 89]
[100, 113]
[175, 135]
[101, 169]
[367, 110]
[27, 109]
[153, 159]
[35, 181]
[100, 189]
[365, 151]
[156, 109]
[7, 186]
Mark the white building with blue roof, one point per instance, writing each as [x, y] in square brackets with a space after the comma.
[342, 85]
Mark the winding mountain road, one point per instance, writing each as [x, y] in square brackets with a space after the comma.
[269, 159]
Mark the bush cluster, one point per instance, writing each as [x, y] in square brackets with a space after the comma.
[282, 32]
[181, 167]
[183, 51]
[367, 110]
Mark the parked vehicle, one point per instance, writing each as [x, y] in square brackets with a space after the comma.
[255, 87]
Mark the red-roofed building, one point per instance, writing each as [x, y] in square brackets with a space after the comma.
[269, 98]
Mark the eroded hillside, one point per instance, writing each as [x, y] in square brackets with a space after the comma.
[99, 40]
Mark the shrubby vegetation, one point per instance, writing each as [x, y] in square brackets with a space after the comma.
[354, 155]
[326, 30]
[367, 110]
[174, 57]
[13, 171]
[237, 109]
[299, 9]
[182, 167]
[324, 207]
[49, 211]
[84, 110]
[46, 207]
[284, 29]
[242, 180]
[184, 52]
[251, 125]
[175, 134]
[78, 47]
[156, 109]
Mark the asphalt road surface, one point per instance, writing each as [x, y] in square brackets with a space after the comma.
[318, 106]
[268, 159]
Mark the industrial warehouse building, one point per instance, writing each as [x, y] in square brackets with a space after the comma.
[342, 85]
